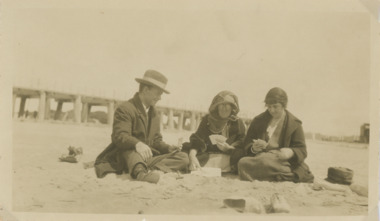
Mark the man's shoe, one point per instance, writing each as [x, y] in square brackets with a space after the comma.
[102, 169]
[150, 177]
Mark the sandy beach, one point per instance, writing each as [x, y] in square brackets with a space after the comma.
[41, 183]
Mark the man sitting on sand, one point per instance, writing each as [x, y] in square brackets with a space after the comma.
[137, 145]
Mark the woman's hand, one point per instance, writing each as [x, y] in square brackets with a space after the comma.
[285, 153]
[258, 146]
[224, 147]
[173, 148]
[194, 163]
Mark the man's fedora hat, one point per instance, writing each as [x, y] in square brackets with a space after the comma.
[340, 175]
[155, 78]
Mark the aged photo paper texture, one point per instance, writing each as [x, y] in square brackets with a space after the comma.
[67, 66]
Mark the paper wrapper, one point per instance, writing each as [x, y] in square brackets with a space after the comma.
[217, 138]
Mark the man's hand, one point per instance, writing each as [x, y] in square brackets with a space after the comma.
[144, 150]
[194, 163]
[258, 146]
[224, 147]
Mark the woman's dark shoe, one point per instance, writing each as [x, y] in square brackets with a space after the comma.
[150, 177]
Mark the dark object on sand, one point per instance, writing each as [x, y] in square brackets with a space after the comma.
[340, 175]
[245, 205]
[102, 169]
[68, 158]
[72, 157]
[237, 204]
[75, 150]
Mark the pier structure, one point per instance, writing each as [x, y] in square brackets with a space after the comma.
[171, 118]
[180, 119]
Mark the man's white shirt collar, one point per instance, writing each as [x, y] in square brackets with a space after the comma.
[146, 109]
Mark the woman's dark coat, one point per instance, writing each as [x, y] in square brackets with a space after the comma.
[292, 136]
[200, 140]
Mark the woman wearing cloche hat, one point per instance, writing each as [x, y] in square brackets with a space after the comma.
[218, 139]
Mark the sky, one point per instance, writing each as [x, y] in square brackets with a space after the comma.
[320, 58]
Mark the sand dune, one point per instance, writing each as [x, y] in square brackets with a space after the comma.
[41, 183]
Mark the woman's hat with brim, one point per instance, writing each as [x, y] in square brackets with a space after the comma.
[154, 78]
[224, 97]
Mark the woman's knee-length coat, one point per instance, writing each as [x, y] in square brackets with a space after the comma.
[292, 136]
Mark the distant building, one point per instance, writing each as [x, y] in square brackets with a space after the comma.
[309, 136]
[364, 133]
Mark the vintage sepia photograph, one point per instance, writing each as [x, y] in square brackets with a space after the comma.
[213, 109]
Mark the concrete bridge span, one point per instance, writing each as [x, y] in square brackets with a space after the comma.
[175, 118]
